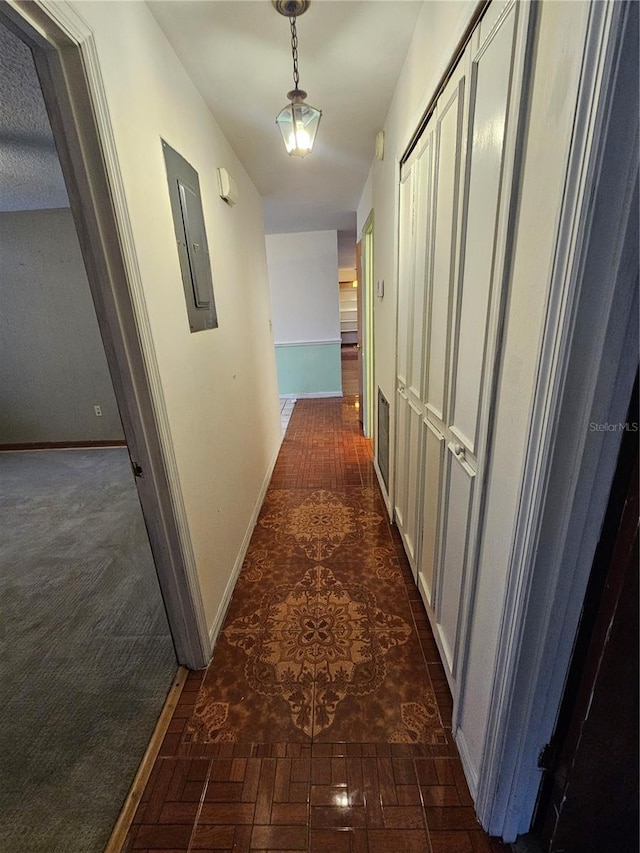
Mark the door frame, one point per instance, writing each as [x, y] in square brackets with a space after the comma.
[359, 316]
[591, 660]
[68, 66]
[588, 363]
[368, 328]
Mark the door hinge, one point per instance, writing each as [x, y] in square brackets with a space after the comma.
[137, 469]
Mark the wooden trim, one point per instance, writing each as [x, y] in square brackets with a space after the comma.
[125, 819]
[60, 445]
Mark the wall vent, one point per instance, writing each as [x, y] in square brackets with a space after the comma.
[383, 438]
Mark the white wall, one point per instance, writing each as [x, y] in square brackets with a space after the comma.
[303, 274]
[219, 385]
[53, 369]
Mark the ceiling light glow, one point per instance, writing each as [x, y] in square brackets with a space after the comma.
[298, 121]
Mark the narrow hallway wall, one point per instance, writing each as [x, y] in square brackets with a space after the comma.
[219, 386]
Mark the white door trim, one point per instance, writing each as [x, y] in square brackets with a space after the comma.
[587, 367]
[369, 402]
[70, 74]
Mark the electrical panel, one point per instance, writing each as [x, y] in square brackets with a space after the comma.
[191, 240]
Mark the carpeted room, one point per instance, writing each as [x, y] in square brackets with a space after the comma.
[86, 657]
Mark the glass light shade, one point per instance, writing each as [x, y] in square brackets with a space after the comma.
[298, 123]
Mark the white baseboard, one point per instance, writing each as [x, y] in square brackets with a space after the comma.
[470, 771]
[383, 489]
[228, 592]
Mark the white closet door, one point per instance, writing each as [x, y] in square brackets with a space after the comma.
[405, 271]
[405, 295]
[416, 195]
[449, 134]
[490, 79]
[414, 483]
[450, 149]
[400, 491]
[454, 212]
[423, 202]
[476, 300]
[457, 497]
[434, 448]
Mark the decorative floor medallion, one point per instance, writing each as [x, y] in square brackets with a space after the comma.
[208, 720]
[315, 642]
[321, 522]
[323, 720]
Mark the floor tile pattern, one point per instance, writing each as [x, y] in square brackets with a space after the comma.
[349, 364]
[286, 410]
[323, 720]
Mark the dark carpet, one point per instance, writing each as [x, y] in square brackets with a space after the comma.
[86, 658]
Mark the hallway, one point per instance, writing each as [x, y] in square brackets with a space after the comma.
[349, 368]
[323, 720]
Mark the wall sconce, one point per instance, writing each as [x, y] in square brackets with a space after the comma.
[298, 122]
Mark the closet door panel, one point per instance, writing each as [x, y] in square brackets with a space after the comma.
[401, 456]
[489, 96]
[434, 449]
[405, 273]
[405, 297]
[458, 495]
[414, 429]
[423, 201]
[448, 164]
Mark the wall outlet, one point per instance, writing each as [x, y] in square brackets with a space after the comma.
[98, 411]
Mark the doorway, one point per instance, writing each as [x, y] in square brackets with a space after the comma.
[67, 64]
[367, 325]
[88, 657]
[349, 331]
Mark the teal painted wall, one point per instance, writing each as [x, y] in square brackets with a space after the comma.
[309, 369]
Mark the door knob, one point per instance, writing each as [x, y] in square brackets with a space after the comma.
[458, 449]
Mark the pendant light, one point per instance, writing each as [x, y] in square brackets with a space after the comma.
[298, 122]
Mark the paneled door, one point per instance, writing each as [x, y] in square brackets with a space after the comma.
[430, 179]
[416, 193]
[455, 201]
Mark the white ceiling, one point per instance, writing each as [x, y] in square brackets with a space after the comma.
[351, 53]
[238, 54]
[30, 174]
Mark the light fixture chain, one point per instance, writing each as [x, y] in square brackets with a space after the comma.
[294, 51]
